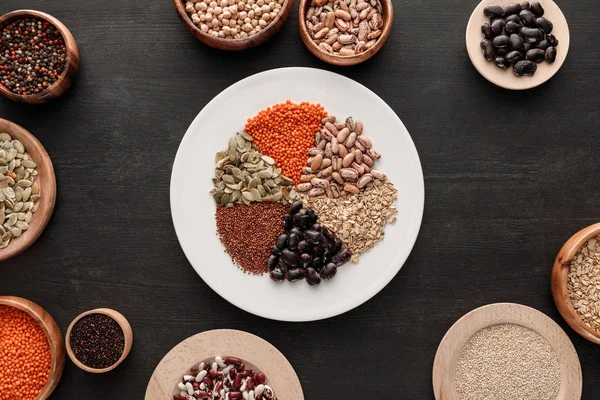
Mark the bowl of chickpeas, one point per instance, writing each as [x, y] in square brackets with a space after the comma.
[233, 24]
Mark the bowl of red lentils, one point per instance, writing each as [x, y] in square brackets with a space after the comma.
[39, 57]
[233, 24]
[32, 352]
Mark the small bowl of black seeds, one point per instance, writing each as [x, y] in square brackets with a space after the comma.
[38, 57]
[97, 341]
[517, 45]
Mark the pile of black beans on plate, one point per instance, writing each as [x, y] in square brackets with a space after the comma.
[306, 250]
[518, 35]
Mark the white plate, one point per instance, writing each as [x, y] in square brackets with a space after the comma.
[193, 208]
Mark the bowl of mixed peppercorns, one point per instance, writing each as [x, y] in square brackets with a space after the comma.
[38, 57]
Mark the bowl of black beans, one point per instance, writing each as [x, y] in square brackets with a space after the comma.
[517, 45]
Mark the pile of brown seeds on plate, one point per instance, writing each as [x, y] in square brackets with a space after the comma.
[19, 190]
[584, 282]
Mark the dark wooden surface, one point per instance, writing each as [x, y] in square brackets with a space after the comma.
[509, 177]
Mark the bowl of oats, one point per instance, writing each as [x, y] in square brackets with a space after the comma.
[576, 282]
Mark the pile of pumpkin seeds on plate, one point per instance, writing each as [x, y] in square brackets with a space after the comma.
[244, 175]
[19, 190]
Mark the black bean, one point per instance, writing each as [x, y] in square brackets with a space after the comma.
[336, 246]
[501, 62]
[327, 256]
[498, 25]
[293, 241]
[312, 215]
[536, 55]
[304, 247]
[516, 42]
[312, 276]
[550, 54]
[502, 52]
[329, 271]
[513, 18]
[552, 40]
[524, 67]
[527, 17]
[531, 35]
[527, 47]
[296, 230]
[543, 45]
[281, 241]
[486, 30]
[544, 24]
[492, 10]
[275, 250]
[290, 258]
[316, 227]
[317, 263]
[283, 267]
[525, 5]
[288, 222]
[296, 274]
[512, 8]
[277, 275]
[514, 56]
[537, 8]
[342, 257]
[501, 41]
[302, 221]
[297, 206]
[512, 27]
[319, 251]
[305, 258]
[327, 233]
[313, 236]
[272, 262]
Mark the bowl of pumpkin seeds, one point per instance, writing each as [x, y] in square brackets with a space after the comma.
[27, 189]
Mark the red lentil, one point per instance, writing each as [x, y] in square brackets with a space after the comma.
[286, 132]
[25, 357]
[248, 233]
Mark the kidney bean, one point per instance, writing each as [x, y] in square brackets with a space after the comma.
[513, 18]
[536, 55]
[296, 274]
[232, 360]
[492, 10]
[537, 8]
[277, 275]
[329, 271]
[550, 54]
[512, 27]
[237, 381]
[512, 8]
[312, 276]
[242, 367]
[525, 67]
[531, 35]
[488, 49]
[501, 42]
[498, 25]
[486, 30]
[212, 373]
[552, 40]
[261, 378]
[501, 62]
[209, 382]
[177, 397]
[527, 17]
[513, 57]
[544, 24]
[235, 395]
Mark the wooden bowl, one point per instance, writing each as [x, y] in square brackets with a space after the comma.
[252, 350]
[388, 17]
[72, 62]
[449, 350]
[234, 44]
[125, 327]
[560, 275]
[47, 182]
[505, 77]
[55, 339]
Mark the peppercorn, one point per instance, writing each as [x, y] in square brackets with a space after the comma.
[97, 341]
[32, 55]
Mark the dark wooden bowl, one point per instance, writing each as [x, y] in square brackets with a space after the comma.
[66, 79]
[234, 44]
[560, 289]
[47, 184]
[388, 18]
[55, 339]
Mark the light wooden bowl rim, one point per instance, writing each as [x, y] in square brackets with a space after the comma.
[505, 78]
[333, 59]
[63, 83]
[252, 350]
[53, 334]
[47, 182]
[127, 333]
[560, 276]
[448, 352]
[234, 44]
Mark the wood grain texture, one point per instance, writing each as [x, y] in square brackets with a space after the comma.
[344, 61]
[450, 348]
[255, 352]
[560, 286]
[66, 79]
[55, 339]
[127, 334]
[234, 44]
[46, 181]
[509, 176]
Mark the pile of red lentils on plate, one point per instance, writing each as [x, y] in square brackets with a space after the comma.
[298, 194]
